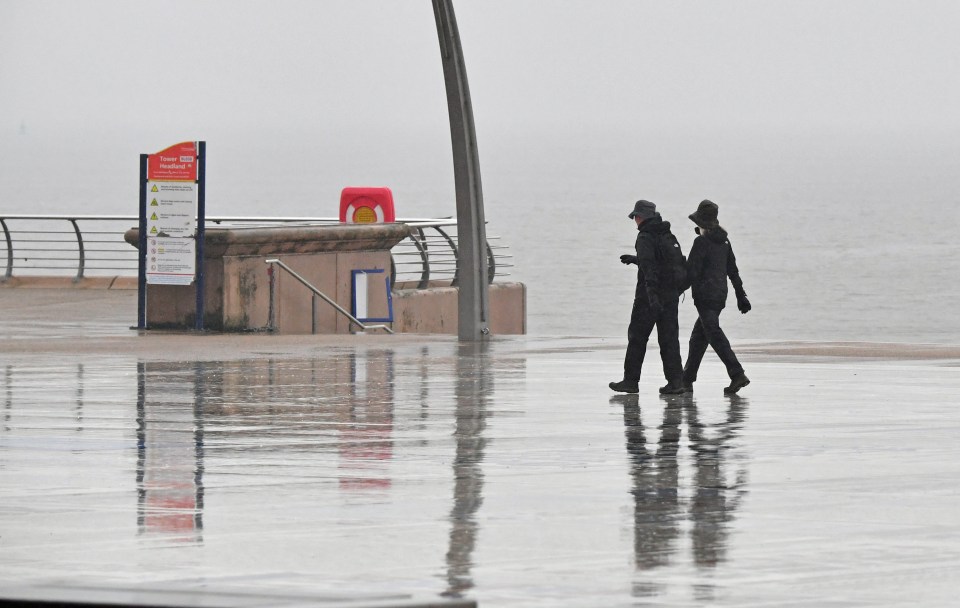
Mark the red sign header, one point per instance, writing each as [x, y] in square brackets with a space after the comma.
[176, 163]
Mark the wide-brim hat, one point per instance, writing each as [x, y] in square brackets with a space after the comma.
[644, 210]
[706, 215]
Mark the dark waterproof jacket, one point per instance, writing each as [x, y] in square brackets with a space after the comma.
[710, 262]
[650, 284]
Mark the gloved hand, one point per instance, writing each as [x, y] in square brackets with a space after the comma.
[628, 259]
[743, 304]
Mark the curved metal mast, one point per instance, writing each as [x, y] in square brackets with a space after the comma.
[472, 303]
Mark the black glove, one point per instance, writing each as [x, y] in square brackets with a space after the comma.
[743, 304]
[628, 259]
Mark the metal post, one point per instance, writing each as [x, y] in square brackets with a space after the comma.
[142, 244]
[472, 302]
[201, 228]
[271, 315]
[6, 235]
[81, 254]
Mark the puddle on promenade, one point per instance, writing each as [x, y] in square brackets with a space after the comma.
[353, 465]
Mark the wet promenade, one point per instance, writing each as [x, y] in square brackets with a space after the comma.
[403, 470]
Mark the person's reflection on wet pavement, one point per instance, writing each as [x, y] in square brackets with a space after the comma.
[657, 514]
[716, 497]
[661, 505]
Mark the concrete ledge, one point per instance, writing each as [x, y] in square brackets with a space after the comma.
[116, 282]
[324, 238]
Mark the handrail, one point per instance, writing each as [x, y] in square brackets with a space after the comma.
[6, 234]
[81, 253]
[306, 283]
[93, 245]
[443, 221]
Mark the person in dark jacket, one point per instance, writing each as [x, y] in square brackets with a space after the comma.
[710, 263]
[655, 303]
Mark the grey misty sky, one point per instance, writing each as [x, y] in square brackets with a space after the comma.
[579, 64]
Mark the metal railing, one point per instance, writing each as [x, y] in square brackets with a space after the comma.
[55, 245]
[272, 321]
[93, 245]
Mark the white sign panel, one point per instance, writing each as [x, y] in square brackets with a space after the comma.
[171, 209]
[171, 261]
[360, 285]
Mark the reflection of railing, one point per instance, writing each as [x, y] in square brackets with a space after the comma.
[93, 245]
[317, 293]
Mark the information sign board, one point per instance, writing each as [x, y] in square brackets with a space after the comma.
[171, 215]
[170, 261]
[172, 208]
[176, 163]
[172, 223]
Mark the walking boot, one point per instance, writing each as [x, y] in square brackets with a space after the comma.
[672, 388]
[736, 383]
[687, 387]
[626, 386]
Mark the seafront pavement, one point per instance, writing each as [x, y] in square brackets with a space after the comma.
[370, 470]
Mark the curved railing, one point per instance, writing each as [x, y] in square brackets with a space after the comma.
[54, 245]
[92, 245]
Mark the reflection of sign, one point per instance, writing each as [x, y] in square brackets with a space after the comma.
[176, 163]
[170, 261]
[169, 465]
[366, 443]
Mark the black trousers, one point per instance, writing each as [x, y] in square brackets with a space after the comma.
[642, 322]
[706, 331]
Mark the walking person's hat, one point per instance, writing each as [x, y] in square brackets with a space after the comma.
[706, 215]
[644, 210]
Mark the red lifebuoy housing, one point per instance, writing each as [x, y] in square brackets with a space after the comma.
[366, 205]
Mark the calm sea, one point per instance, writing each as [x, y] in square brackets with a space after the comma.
[839, 235]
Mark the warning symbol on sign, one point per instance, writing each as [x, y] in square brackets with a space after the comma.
[154, 189]
[154, 203]
[154, 217]
[153, 230]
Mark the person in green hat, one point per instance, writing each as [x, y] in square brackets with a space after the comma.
[710, 263]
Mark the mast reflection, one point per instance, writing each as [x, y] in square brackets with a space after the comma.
[474, 386]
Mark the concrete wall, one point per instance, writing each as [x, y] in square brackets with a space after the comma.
[237, 278]
[434, 310]
[237, 292]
